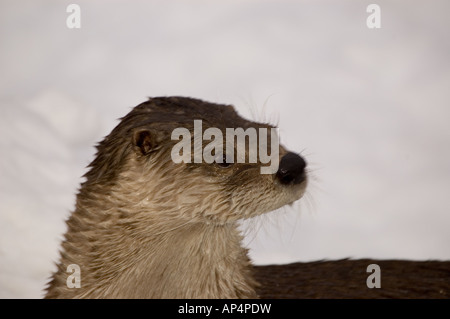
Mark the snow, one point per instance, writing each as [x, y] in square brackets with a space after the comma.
[367, 108]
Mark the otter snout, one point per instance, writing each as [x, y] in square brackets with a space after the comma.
[291, 169]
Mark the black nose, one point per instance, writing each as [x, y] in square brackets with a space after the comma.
[291, 169]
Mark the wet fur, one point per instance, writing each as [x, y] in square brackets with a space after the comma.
[145, 227]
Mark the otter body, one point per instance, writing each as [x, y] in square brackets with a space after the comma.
[147, 227]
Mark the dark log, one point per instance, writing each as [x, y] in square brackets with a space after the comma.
[346, 278]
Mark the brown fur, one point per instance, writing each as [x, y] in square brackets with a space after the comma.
[145, 227]
[346, 278]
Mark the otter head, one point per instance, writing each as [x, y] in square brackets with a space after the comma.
[191, 187]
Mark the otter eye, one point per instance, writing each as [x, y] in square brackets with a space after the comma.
[223, 161]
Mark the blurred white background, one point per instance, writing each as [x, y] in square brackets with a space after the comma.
[368, 108]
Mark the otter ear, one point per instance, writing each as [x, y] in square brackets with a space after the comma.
[147, 140]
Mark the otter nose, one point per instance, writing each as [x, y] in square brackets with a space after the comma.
[291, 169]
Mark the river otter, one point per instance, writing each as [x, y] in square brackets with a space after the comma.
[146, 227]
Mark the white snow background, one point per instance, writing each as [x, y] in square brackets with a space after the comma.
[368, 108]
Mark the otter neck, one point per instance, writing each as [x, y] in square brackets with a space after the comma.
[193, 261]
[164, 259]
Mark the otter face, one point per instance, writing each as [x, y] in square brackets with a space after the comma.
[230, 188]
